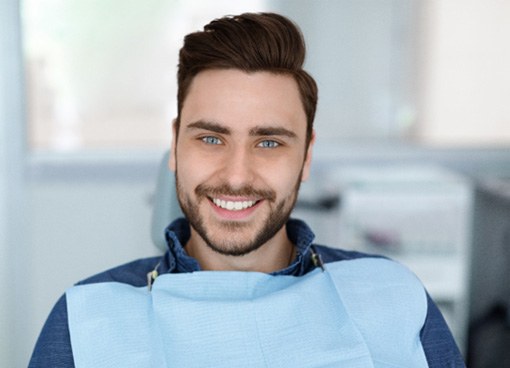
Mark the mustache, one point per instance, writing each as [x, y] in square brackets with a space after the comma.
[203, 190]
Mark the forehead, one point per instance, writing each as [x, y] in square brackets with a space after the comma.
[242, 100]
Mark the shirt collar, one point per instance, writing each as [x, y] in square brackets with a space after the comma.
[178, 233]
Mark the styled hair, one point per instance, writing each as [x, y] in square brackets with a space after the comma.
[250, 42]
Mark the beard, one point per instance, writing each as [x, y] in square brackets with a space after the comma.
[235, 238]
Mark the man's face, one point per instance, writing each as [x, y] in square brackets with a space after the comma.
[240, 157]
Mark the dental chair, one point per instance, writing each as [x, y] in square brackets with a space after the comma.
[166, 207]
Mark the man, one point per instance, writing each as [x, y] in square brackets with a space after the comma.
[242, 285]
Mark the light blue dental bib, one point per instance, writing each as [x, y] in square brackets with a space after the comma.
[361, 313]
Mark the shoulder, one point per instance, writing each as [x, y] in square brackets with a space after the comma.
[133, 273]
[53, 347]
[359, 272]
[371, 268]
[330, 254]
[393, 284]
[362, 276]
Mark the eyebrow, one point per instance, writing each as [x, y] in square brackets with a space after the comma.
[258, 131]
[209, 125]
[267, 131]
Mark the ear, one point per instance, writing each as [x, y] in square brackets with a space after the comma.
[308, 159]
[172, 163]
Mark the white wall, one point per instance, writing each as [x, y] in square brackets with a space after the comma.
[12, 236]
[4, 239]
[465, 61]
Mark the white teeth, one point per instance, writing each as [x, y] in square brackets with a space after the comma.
[233, 205]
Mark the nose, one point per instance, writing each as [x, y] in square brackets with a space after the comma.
[238, 168]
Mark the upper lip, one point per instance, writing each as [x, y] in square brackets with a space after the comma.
[235, 199]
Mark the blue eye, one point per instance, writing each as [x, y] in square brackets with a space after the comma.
[268, 144]
[211, 140]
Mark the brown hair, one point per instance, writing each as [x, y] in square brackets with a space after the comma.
[249, 42]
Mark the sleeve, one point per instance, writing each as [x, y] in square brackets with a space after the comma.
[53, 347]
[437, 341]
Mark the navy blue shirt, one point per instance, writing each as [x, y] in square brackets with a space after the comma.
[53, 348]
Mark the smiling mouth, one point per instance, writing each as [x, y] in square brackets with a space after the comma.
[233, 205]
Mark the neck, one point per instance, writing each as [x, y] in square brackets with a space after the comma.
[272, 256]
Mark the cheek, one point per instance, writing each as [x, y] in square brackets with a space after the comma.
[283, 178]
[191, 170]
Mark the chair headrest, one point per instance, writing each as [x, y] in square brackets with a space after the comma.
[165, 205]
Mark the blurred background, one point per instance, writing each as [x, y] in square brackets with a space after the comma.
[412, 158]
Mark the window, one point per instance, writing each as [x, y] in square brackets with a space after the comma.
[101, 73]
